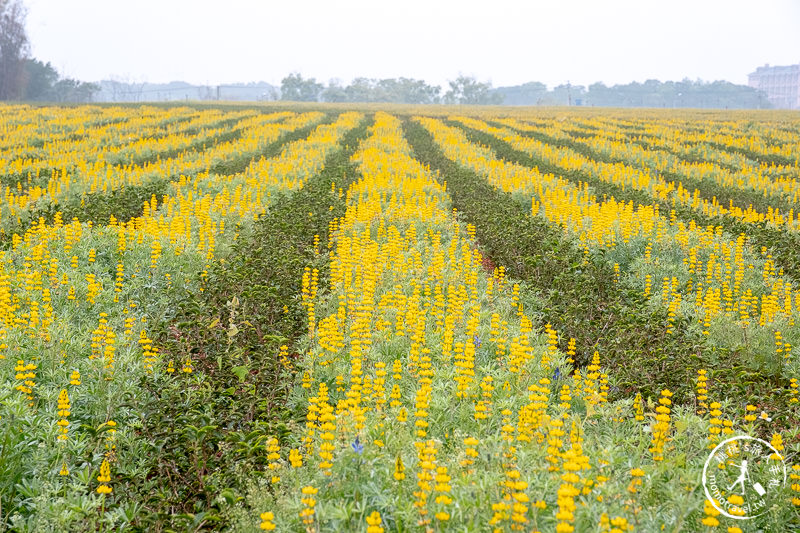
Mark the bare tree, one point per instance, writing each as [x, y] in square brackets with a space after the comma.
[14, 48]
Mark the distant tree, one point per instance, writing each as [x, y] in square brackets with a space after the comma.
[85, 92]
[684, 93]
[567, 94]
[598, 94]
[530, 93]
[334, 92]
[41, 77]
[297, 89]
[70, 90]
[45, 85]
[408, 91]
[14, 48]
[468, 90]
[395, 90]
[361, 90]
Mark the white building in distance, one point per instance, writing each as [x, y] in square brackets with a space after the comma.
[781, 85]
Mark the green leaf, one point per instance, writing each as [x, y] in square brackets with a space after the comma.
[241, 372]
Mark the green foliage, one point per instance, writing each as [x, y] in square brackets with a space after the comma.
[531, 93]
[45, 84]
[396, 90]
[651, 93]
[296, 89]
[41, 79]
[467, 90]
[190, 450]
[33, 496]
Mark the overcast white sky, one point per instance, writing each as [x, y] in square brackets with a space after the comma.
[502, 41]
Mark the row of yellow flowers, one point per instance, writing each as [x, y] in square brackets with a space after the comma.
[197, 210]
[699, 272]
[647, 178]
[688, 140]
[75, 299]
[28, 129]
[713, 139]
[776, 182]
[120, 138]
[695, 140]
[86, 177]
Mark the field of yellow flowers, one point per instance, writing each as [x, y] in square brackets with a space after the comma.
[323, 319]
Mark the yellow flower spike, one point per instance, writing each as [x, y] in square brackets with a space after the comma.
[308, 500]
[295, 458]
[267, 521]
[399, 469]
[702, 391]
[661, 427]
[777, 443]
[636, 480]
[374, 522]
[63, 412]
[638, 408]
[103, 478]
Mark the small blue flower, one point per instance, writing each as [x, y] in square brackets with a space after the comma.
[357, 446]
[557, 374]
[476, 341]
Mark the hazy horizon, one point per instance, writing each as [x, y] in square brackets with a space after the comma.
[507, 43]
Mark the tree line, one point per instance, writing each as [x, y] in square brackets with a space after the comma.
[25, 78]
[462, 90]
[468, 90]
[651, 93]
